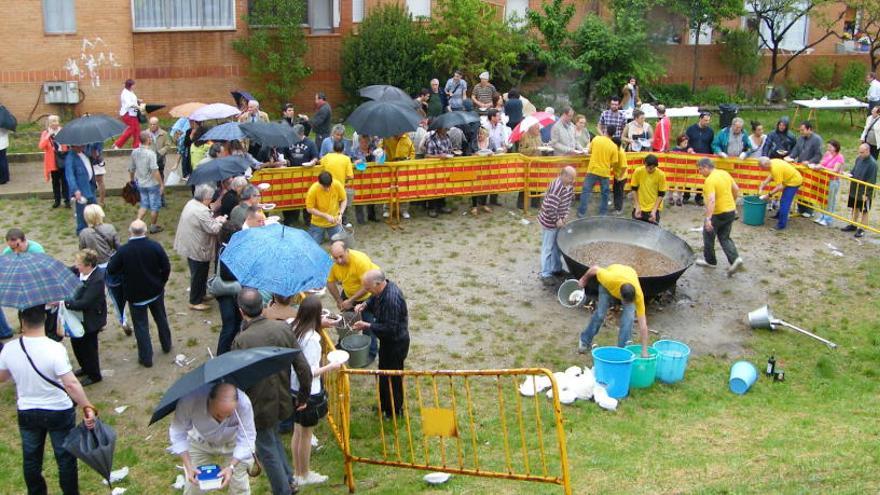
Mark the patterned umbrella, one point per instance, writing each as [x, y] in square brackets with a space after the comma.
[186, 109]
[214, 111]
[224, 132]
[31, 279]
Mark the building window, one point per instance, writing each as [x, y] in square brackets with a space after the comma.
[59, 16]
[515, 10]
[152, 15]
[321, 15]
[705, 36]
[419, 8]
[357, 11]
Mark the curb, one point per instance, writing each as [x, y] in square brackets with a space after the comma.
[38, 156]
[111, 191]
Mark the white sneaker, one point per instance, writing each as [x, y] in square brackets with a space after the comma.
[735, 267]
[349, 225]
[312, 478]
[818, 220]
[405, 214]
[385, 214]
[806, 214]
[314, 440]
[702, 262]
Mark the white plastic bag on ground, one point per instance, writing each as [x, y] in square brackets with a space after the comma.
[173, 178]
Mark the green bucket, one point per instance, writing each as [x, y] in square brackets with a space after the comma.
[643, 369]
[754, 209]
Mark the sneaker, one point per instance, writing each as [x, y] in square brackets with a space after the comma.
[199, 307]
[155, 229]
[433, 213]
[312, 478]
[818, 220]
[824, 223]
[548, 281]
[127, 329]
[582, 348]
[349, 225]
[385, 214]
[704, 263]
[405, 215]
[486, 209]
[678, 202]
[735, 266]
[807, 214]
[860, 233]
[849, 228]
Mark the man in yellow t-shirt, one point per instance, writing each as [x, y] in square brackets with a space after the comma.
[648, 186]
[398, 148]
[720, 193]
[349, 268]
[340, 167]
[326, 202]
[787, 179]
[604, 156]
[619, 282]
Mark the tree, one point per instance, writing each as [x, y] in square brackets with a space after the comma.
[275, 47]
[700, 14]
[556, 51]
[389, 48]
[775, 18]
[870, 26]
[741, 53]
[471, 35]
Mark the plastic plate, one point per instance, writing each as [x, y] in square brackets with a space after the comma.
[337, 356]
[437, 478]
[262, 186]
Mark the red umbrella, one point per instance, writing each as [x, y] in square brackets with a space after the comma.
[538, 118]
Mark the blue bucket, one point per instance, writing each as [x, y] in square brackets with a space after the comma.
[613, 369]
[672, 360]
[743, 375]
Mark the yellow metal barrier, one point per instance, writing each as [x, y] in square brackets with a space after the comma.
[469, 422]
[848, 187]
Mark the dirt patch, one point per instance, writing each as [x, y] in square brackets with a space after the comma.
[645, 262]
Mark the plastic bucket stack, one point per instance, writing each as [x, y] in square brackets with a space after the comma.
[358, 347]
[644, 370]
[754, 209]
[743, 375]
[672, 360]
[613, 369]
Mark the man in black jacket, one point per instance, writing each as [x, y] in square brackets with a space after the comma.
[144, 268]
[391, 327]
[89, 298]
[700, 137]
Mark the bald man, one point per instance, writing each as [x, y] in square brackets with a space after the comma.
[553, 215]
[144, 267]
[253, 113]
[390, 324]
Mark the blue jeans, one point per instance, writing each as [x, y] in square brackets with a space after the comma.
[317, 233]
[833, 190]
[589, 181]
[80, 211]
[271, 453]
[33, 425]
[627, 317]
[151, 198]
[550, 257]
[785, 202]
[231, 319]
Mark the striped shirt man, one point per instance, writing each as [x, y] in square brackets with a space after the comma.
[556, 203]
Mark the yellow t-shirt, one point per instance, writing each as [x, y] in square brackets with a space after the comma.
[784, 173]
[325, 201]
[649, 186]
[720, 183]
[338, 165]
[604, 155]
[397, 149]
[350, 275]
[614, 277]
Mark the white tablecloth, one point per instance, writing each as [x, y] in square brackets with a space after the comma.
[842, 104]
[672, 113]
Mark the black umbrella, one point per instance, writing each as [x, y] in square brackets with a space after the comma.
[384, 118]
[454, 119]
[7, 120]
[94, 447]
[242, 368]
[218, 169]
[152, 107]
[384, 92]
[240, 95]
[89, 129]
[270, 135]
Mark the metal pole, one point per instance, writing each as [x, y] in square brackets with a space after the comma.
[809, 334]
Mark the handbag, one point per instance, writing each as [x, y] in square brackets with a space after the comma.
[142, 117]
[130, 194]
[218, 287]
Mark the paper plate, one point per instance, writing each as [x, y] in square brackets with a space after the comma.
[267, 206]
[337, 356]
[262, 186]
[437, 478]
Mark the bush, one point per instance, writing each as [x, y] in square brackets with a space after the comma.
[852, 82]
[671, 95]
[713, 95]
[390, 49]
[822, 75]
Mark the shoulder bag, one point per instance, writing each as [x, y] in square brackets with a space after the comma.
[44, 377]
[218, 287]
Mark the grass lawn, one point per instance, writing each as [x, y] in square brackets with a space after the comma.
[475, 302]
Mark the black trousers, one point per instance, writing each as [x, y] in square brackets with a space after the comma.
[479, 200]
[392, 354]
[85, 349]
[59, 187]
[617, 190]
[142, 328]
[4, 167]
[722, 224]
[875, 151]
[198, 279]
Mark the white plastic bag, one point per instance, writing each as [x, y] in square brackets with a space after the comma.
[173, 178]
[72, 321]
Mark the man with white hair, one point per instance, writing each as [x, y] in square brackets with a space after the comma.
[253, 113]
[437, 102]
[196, 239]
[144, 266]
[144, 170]
[337, 134]
[732, 141]
[482, 93]
[250, 196]
[162, 144]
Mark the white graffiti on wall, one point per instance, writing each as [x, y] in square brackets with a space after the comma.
[93, 55]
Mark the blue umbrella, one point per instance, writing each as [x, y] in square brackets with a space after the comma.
[224, 132]
[278, 259]
[31, 279]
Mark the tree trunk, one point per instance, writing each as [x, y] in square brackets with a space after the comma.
[696, 60]
[774, 64]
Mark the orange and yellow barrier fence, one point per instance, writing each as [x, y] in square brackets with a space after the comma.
[418, 180]
[468, 422]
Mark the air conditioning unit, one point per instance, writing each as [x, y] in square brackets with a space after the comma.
[61, 92]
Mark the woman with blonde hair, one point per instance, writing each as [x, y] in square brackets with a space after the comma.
[53, 161]
[103, 239]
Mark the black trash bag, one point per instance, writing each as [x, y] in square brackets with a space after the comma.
[94, 447]
[7, 120]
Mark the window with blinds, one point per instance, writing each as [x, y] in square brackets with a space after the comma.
[59, 16]
[153, 15]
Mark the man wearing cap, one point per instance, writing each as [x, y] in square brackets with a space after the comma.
[786, 179]
[621, 283]
[482, 93]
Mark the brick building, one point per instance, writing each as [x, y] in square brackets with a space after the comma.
[180, 50]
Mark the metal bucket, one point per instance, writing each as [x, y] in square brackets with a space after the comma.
[358, 347]
[565, 291]
[761, 318]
